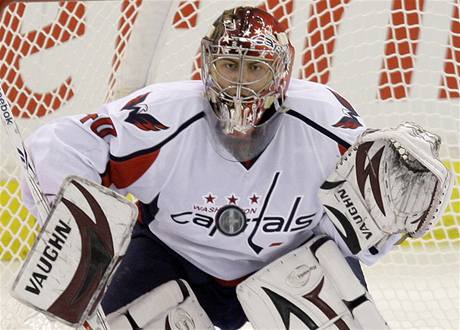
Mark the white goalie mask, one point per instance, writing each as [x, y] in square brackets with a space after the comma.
[246, 67]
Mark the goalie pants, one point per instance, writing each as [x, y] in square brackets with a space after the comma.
[148, 263]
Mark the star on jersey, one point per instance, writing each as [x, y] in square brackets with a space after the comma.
[254, 199]
[232, 199]
[210, 198]
[138, 116]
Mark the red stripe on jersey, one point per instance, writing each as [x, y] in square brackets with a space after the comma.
[342, 149]
[123, 173]
[106, 179]
[140, 214]
[230, 283]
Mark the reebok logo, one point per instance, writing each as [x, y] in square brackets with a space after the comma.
[4, 107]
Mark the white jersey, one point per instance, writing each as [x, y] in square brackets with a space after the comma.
[155, 144]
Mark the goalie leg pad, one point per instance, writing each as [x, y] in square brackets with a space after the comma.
[308, 288]
[355, 296]
[172, 305]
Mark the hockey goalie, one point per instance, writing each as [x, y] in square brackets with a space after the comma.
[259, 194]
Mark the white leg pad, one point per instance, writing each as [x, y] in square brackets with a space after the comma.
[188, 315]
[336, 268]
[172, 303]
[311, 287]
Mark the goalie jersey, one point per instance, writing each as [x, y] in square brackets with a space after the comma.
[155, 144]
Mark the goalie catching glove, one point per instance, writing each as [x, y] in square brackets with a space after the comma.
[390, 181]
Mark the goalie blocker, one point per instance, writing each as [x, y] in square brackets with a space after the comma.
[311, 287]
[79, 246]
[389, 183]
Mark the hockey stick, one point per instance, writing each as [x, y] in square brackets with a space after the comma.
[98, 319]
[15, 137]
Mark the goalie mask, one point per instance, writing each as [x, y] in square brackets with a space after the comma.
[246, 66]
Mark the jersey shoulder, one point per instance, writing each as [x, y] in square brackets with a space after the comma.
[321, 106]
[170, 101]
[152, 115]
[160, 107]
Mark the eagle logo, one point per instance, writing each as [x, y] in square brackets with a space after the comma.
[350, 118]
[139, 117]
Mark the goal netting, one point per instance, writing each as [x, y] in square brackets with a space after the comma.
[394, 60]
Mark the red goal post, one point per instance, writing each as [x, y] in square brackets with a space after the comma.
[394, 60]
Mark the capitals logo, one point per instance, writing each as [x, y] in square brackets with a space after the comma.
[139, 117]
[258, 221]
[350, 119]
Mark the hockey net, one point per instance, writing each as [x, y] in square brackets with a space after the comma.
[394, 61]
